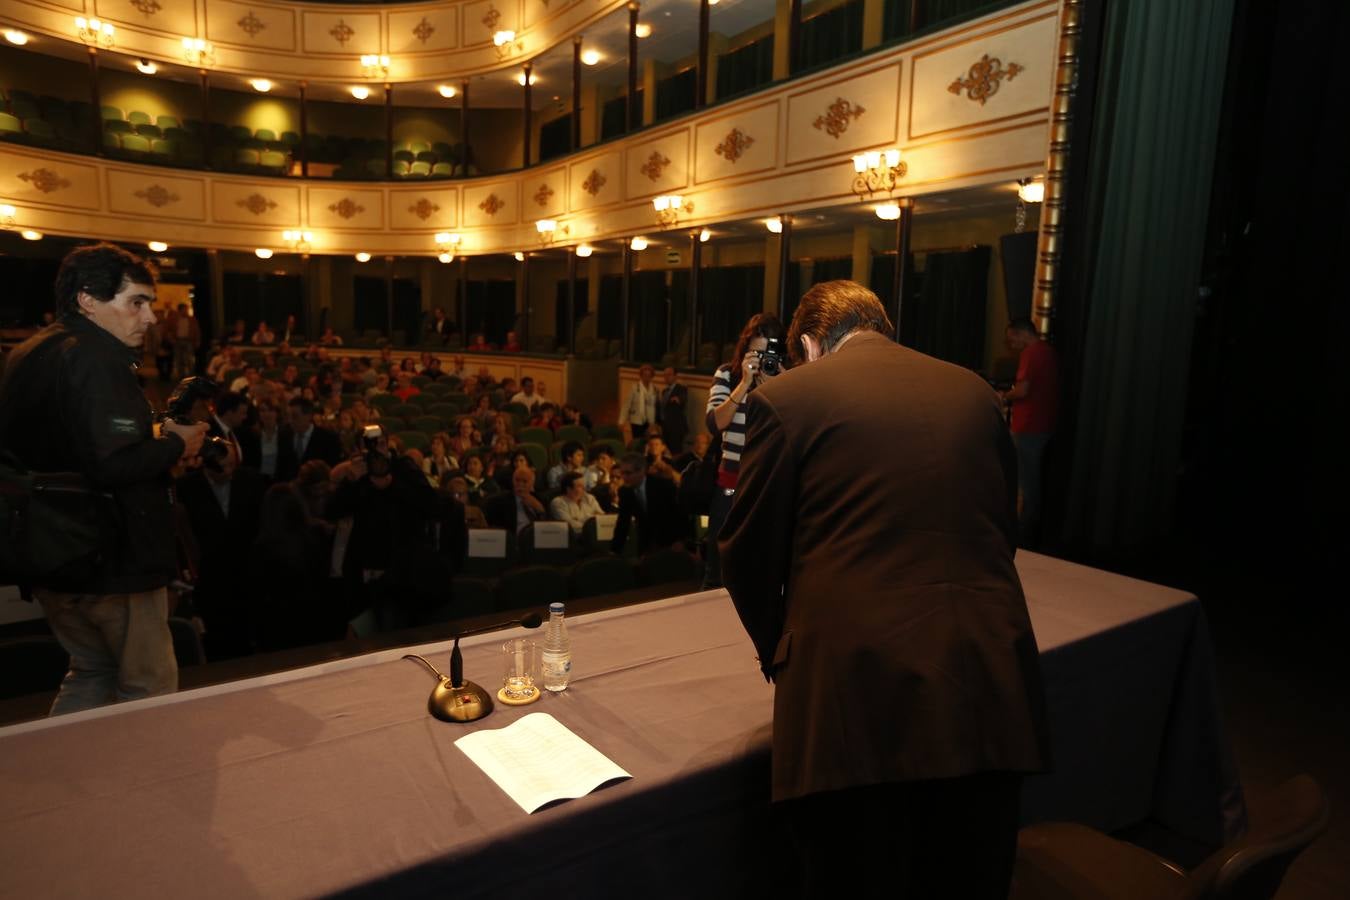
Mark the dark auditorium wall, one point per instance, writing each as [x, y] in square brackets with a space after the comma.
[42, 74]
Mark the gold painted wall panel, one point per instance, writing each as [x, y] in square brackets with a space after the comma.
[544, 196]
[251, 25]
[485, 18]
[423, 209]
[487, 205]
[345, 34]
[737, 144]
[152, 195]
[424, 32]
[658, 167]
[346, 209]
[856, 113]
[33, 177]
[268, 205]
[595, 181]
[1014, 80]
[173, 17]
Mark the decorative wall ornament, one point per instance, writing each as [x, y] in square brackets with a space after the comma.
[44, 180]
[251, 24]
[984, 78]
[543, 195]
[256, 204]
[593, 183]
[734, 145]
[835, 120]
[146, 7]
[423, 208]
[342, 32]
[491, 18]
[346, 208]
[424, 30]
[157, 195]
[654, 165]
[491, 205]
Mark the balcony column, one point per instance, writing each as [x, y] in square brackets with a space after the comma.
[464, 137]
[574, 142]
[904, 227]
[304, 134]
[96, 101]
[784, 262]
[632, 114]
[388, 130]
[701, 88]
[208, 141]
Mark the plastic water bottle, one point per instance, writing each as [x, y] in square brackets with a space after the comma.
[557, 651]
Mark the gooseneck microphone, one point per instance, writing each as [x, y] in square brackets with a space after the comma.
[453, 699]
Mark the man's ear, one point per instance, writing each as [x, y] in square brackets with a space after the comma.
[85, 301]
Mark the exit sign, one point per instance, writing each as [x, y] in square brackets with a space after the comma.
[672, 257]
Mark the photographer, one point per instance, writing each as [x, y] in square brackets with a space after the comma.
[760, 354]
[390, 551]
[70, 402]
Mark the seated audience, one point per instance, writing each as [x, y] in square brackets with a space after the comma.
[480, 485]
[571, 459]
[263, 335]
[329, 338]
[573, 416]
[458, 487]
[659, 461]
[479, 344]
[439, 462]
[546, 417]
[512, 343]
[239, 334]
[597, 473]
[574, 506]
[653, 503]
[466, 437]
[526, 396]
[406, 389]
[514, 511]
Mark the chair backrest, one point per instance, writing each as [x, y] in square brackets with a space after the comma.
[413, 439]
[1283, 824]
[608, 432]
[531, 586]
[428, 423]
[537, 454]
[535, 435]
[602, 575]
[136, 117]
[405, 411]
[662, 566]
[574, 433]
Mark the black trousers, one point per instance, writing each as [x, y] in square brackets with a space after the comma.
[953, 837]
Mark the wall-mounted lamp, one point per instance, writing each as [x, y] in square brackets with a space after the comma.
[638, 243]
[643, 30]
[363, 257]
[29, 234]
[447, 242]
[669, 207]
[520, 78]
[157, 246]
[584, 250]
[877, 171]
[146, 67]
[507, 44]
[8, 215]
[1029, 190]
[199, 52]
[261, 85]
[93, 32]
[590, 57]
[549, 229]
[300, 241]
[263, 253]
[775, 225]
[446, 91]
[374, 65]
[446, 257]
[360, 92]
[16, 37]
[520, 257]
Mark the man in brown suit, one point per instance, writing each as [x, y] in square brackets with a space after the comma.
[869, 552]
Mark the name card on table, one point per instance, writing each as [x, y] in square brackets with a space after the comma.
[488, 543]
[604, 526]
[550, 535]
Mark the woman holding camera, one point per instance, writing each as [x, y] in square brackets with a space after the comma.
[760, 353]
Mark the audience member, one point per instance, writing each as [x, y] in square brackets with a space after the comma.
[571, 459]
[672, 410]
[517, 509]
[574, 506]
[438, 461]
[512, 343]
[185, 334]
[652, 502]
[459, 490]
[1034, 397]
[546, 416]
[329, 338]
[228, 414]
[466, 437]
[263, 335]
[289, 333]
[301, 440]
[526, 396]
[262, 451]
[406, 390]
[478, 344]
[238, 334]
[659, 460]
[571, 415]
[598, 471]
[480, 485]
[638, 413]
[439, 326]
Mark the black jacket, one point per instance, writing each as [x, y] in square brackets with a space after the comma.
[70, 402]
[660, 522]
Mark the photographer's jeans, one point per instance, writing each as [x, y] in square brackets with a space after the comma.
[119, 645]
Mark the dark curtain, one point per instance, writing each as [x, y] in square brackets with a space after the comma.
[731, 295]
[407, 310]
[612, 115]
[949, 310]
[257, 296]
[932, 14]
[745, 68]
[831, 35]
[583, 297]
[555, 137]
[609, 325]
[883, 285]
[371, 312]
[491, 308]
[1140, 237]
[28, 289]
[675, 95]
[649, 319]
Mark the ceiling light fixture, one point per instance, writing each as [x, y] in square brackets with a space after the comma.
[446, 257]
[520, 257]
[638, 243]
[16, 37]
[261, 85]
[704, 236]
[888, 212]
[94, 32]
[374, 65]
[520, 79]
[146, 67]
[1030, 190]
[643, 30]
[446, 91]
[363, 257]
[360, 92]
[199, 52]
[590, 57]
[157, 246]
[775, 224]
[584, 250]
[29, 234]
[263, 253]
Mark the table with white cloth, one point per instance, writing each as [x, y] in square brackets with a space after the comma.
[335, 779]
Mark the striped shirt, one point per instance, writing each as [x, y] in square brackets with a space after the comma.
[733, 439]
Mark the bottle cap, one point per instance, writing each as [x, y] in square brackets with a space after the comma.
[555, 607]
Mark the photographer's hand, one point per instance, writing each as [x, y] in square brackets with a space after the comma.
[192, 436]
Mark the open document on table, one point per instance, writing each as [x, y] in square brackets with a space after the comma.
[537, 760]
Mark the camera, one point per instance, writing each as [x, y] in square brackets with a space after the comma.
[191, 391]
[377, 463]
[771, 357]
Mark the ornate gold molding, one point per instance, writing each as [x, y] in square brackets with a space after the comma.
[492, 205]
[346, 207]
[984, 78]
[491, 18]
[146, 7]
[835, 120]
[655, 165]
[424, 30]
[424, 208]
[342, 32]
[734, 145]
[45, 180]
[256, 204]
[1049, 240]
[157, 195]
[543, 195]
[593, 183]
[251, 25]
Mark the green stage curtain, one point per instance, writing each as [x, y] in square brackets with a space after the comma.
[948, 312]
[1141, 227]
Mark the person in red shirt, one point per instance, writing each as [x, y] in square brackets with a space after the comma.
[479, 343]
[406, 390]
[1034, 398]
[512, 343]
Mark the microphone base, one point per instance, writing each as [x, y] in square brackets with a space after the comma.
[463, 703]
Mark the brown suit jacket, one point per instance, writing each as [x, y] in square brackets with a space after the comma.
[869, 552]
